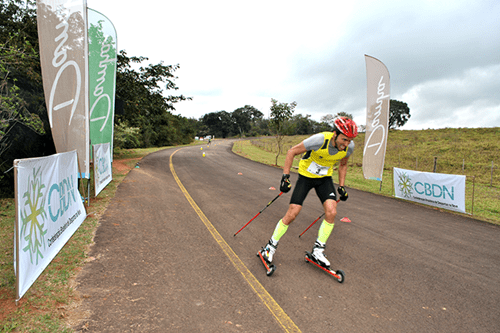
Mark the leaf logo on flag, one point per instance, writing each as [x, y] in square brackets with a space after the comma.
[33, 226]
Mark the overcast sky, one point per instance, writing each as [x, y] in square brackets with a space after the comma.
[443, 56]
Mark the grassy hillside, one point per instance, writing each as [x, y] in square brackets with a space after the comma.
[462, 151]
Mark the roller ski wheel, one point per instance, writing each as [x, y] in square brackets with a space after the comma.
[270, 268]
[338, 274]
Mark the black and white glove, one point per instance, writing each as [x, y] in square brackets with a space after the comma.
[285, 184]
[342, 193]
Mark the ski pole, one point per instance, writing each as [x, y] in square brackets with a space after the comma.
[303, 232]
[269, 204]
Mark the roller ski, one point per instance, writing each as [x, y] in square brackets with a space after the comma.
[318, 258]
[266, 256]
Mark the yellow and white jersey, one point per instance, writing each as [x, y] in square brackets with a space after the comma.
[321, 155]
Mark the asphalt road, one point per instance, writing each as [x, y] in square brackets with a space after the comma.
[167, 260]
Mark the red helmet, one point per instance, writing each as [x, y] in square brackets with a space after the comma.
[346, 126]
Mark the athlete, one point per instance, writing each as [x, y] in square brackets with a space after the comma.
[321, 152]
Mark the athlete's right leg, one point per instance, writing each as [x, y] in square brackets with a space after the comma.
[292, 213]
[279, 231]
[299, 194]
[326, 193]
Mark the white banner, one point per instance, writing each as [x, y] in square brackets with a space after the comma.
[435, 189]
[49, 209]
[102, 166]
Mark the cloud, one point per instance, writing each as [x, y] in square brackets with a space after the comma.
[468, 100]
[443, 56]
[446, 54]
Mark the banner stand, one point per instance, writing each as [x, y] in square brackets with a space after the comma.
[392, 182]
[81, 182]
[88, 192]
[16, 237]
[473, 188]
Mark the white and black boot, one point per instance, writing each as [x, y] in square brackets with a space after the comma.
[268, 251]
[318, 253]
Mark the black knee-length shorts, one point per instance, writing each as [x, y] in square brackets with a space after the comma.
[323, 186]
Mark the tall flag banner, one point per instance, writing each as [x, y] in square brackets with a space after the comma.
[102, 78]
[49, 210]
[377, 118]
[62, 33]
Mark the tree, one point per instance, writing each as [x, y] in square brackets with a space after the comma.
[244, 118]
[24, 125]
[280, 114]
[302, 125]
[320, 127]
[329, 118]
[343, 114]
[219, 123]
[261, 127]
[241, 121]
[399, 114]
[145, 106]
[20, 75]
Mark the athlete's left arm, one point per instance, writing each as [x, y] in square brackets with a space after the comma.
[343, 164]
[343, 170]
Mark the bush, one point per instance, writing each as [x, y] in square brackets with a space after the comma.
[126, 137]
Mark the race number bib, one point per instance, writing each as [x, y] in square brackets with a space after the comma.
[317, 169]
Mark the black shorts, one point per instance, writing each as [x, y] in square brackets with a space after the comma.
[323, 186]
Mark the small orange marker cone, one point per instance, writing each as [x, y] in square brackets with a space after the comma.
[345, 219]
[272, 188]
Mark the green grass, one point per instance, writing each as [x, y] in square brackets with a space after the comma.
[46, 306]
[464, 151]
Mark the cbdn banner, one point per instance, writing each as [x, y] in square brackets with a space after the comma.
[435, 189]
[62, 33]
[102, 78]
[49, 209]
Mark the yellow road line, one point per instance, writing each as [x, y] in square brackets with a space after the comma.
[286, 323]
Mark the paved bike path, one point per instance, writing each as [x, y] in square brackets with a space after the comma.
[158, 268]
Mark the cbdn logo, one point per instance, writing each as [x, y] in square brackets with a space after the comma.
[102, 165]
[434, 190]
[61, 196]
